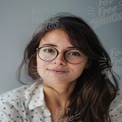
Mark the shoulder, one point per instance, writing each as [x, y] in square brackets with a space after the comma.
[14, 103]
[18, 93]
[14, 94]
[116, 107]
[9, 106]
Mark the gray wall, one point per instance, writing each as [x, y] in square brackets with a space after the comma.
[19, 19]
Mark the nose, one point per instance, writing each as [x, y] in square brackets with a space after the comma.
[60, 60]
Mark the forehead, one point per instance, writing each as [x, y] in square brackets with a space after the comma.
[56, 37]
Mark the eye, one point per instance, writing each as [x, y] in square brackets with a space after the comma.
[48, 50]
[74, 53]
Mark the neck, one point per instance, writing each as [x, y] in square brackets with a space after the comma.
[57, 95]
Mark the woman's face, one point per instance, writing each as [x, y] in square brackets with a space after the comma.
[59, 70]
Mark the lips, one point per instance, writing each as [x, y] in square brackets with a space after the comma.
[58, 70]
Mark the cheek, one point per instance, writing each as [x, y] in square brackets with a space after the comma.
[40, 66]
[78, 70]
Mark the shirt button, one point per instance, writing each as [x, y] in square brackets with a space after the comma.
[47, 113]
[48, 119]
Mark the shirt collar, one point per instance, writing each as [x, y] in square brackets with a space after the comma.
[34, 95]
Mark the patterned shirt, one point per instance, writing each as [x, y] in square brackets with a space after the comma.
[26, 104]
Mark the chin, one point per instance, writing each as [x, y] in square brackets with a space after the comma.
[58, 81]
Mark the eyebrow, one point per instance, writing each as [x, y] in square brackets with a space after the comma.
[53, 45]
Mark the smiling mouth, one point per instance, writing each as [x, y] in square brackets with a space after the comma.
[58, 71]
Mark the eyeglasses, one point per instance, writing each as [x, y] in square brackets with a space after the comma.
[73, 56]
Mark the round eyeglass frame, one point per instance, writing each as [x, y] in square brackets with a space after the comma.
[38, 49]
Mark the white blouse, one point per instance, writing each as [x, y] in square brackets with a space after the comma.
[26, 104]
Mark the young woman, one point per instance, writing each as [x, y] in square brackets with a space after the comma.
[73, 77]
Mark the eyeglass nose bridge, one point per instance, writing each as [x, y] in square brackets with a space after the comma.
[63, 55]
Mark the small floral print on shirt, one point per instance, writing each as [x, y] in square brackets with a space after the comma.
[26, 104]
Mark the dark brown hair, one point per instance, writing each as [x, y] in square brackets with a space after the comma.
[94, 90]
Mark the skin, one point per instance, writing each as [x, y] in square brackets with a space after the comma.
[58, 74]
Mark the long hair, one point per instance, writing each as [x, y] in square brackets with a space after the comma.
[97, 86]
